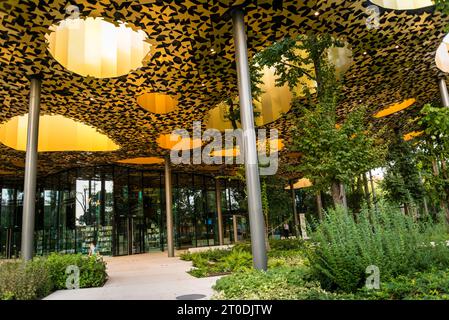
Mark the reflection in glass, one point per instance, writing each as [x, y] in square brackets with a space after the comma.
[119, 208]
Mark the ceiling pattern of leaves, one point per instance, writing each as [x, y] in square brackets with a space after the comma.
[391, 64]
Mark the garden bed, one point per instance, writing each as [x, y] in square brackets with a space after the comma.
[377, 256]
[41, 276]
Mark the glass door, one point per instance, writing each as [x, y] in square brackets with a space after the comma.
[138, 235]
[10, 223]
[122, 243]
[5, 243]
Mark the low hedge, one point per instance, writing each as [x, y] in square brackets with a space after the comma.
[40, 276]
[29, 281]
[92, 269]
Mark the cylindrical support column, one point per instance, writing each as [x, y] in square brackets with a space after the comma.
[169, 208]
[29, 185]
[443, 91]
[295, 212]
[256, 218]
[319, 205]
[235, 228]
[219, 213]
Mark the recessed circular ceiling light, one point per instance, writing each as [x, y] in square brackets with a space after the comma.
[97, 48]
[403, 4]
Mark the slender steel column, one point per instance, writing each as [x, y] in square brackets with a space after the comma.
[168, 208]
[295, 212]
[256, 218]
[443, 91]
[29, 185]
[219, 213]
[234, 226]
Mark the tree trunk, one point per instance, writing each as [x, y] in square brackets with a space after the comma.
[367, 194]
[373, 190]
[267, 242]
[319, 205]
[339, 194]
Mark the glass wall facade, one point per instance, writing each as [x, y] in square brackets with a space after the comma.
[121, 209]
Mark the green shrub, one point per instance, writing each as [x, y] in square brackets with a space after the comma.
[430, 285]
[92, 269]
[286, 244]
[217, 262]
[275, 284]
[242, 246]
[212, 255]
[237, 261]
[389, 240]
[24, 281]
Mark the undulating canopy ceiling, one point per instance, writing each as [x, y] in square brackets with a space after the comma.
[191, 59]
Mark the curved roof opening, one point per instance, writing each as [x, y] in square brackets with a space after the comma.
[173, 141]
[157, 102]
[56, 133]
[403, 4]
[301, 184]
[275, 101]
[411, 135]
[97, 48]
[272, 104]
[142, 160]
[395, 108]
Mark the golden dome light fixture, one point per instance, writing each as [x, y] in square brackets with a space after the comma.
[97, 48]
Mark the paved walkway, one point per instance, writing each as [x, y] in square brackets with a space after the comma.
[150, 276]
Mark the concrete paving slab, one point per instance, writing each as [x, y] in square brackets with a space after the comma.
[149, 276]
